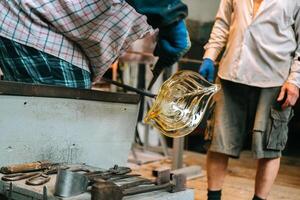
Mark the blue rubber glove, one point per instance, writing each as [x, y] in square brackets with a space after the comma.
[172, 44]
[207, 69]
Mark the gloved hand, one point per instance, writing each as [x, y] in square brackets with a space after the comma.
[172, 44]
[207, 69]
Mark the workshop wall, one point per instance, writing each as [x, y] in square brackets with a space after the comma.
[202, 10]
[199, 22]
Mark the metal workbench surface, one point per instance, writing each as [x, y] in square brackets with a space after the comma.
[21, 191]
[25, 89]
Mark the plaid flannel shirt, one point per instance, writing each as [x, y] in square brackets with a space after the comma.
[89, 34]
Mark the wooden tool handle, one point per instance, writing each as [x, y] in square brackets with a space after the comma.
[25, 167]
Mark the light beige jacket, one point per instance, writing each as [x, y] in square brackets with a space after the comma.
[261, 50]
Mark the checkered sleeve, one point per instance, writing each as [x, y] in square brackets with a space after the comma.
[90, 34]
[103, 29]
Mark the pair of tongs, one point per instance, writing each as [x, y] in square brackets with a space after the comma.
[34, 178]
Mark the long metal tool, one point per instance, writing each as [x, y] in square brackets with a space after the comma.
[111, 191]
[127, 87]
[33, 178]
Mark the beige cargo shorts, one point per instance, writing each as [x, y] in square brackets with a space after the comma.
[242, 110]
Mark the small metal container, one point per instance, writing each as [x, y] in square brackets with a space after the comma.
[70, 183]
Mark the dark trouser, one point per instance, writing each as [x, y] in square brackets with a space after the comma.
[25, 64]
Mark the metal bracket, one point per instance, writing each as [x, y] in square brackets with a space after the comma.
[9, 191]
[45, 193]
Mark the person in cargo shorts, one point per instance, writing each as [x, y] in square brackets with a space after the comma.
[72, 42]
[260, 78]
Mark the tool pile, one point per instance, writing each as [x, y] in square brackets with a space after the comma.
[36, 173]
[112, 184]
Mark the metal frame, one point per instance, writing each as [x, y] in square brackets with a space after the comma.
[26, 89]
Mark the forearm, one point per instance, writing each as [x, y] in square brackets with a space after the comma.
[220, 32]
[217, 41]
[294, 76]
[160, 13]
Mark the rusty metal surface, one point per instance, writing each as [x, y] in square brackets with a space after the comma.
[25, 89]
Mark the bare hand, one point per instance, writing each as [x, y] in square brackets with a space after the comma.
[291, 92]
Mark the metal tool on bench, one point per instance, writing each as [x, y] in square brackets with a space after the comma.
[27, 167]
[111, 191]
[37, 178]
[112, 172]
[71, 183]
[32, 178]
[36, 173]
[162, 177]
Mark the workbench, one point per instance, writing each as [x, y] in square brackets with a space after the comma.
[18, 190]
[65, 125]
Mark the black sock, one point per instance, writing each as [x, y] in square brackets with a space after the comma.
[214, 195]
[257, 198]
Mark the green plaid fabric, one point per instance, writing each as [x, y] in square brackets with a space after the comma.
[25, 64]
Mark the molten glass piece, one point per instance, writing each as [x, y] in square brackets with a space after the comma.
[182, 102]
